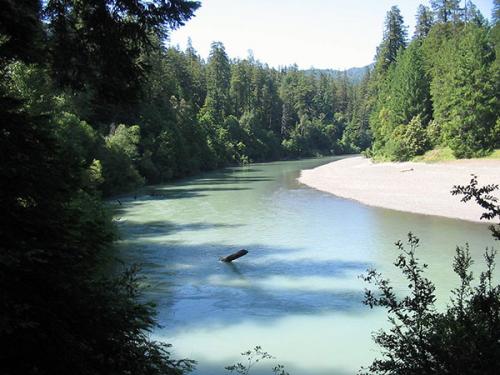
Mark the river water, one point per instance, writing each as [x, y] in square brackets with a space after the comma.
[297, 293]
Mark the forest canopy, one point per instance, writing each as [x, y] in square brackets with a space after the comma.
[95, 103]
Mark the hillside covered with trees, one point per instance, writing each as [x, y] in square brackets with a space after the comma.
[439, 89]
[139, 112]
[94, 103]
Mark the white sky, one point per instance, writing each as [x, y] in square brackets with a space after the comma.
[334, 34]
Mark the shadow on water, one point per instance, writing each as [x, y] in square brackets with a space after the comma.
[159, 228]
[160, 193]
[229, 181]
[299, 280]
[193, 289]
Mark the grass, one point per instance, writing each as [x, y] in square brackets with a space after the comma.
[494, 155]
[446, 154]
[436, 155]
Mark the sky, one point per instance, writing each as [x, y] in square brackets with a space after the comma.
[337, 34]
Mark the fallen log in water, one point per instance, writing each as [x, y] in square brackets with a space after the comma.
[234, 256]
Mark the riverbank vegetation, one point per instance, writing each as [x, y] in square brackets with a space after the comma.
[93, 104]
[137, 112]
[439, 89]
[61, 313]
[463, 339]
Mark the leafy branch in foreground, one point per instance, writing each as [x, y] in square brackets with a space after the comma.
[465, 338]
[484, 198]
[253, 357]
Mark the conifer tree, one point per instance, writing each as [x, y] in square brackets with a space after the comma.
[404, 96]
[425, 20]
[240, 87]
[217, 101]
[472, 14]
[96, 45]
[446, 10]
[464, 95]
[395, 35]
[409, 89]
[20, 26]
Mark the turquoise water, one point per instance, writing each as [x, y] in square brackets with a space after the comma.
[297, 292]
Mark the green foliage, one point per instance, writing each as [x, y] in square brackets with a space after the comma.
[465, 338]
[409, 89]
[253, 357]
[60, 312]
[77, 138]
[20, 26]
[118, 160]
[448, 76]
[312, 138]
[446, 10]
[98, 45]
[217, 102]
[394, 40]
[93, 64]
[407, 141]
[59, 315]
[464, 95]
[403, 101]
[31, 84]
[424, 22]
[483, 197]
[357, 135]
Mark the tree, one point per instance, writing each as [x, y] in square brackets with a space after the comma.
[404, 97]
[240, 87]
[20, 26]
[408, 141]
[409, 94]
[472, 14]
[356, 136]
[217, 101]
[425, 20]
[59, 313]
[446, 10]
[95, 45]
[464, 94]
[253, 357]
[342, 93]
[395, 34]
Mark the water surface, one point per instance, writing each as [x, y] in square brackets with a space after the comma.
[297, 292]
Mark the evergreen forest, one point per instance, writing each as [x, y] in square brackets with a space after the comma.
[96, 103]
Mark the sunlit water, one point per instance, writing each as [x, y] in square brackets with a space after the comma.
[297, 292]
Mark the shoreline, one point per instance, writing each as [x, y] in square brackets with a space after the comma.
[410, 187]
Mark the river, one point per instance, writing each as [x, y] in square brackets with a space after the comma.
[297, 292]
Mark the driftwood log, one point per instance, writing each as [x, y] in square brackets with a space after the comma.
[407, 170]
[234, 256]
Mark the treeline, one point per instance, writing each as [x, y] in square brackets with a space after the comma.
[439, 89]
[189, 115]
[236, 111]
[92, 104]
[64, 66]
[137, 112]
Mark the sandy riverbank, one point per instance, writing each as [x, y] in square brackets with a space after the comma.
[411, 187]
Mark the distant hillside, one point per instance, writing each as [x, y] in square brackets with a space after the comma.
[354, 74]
